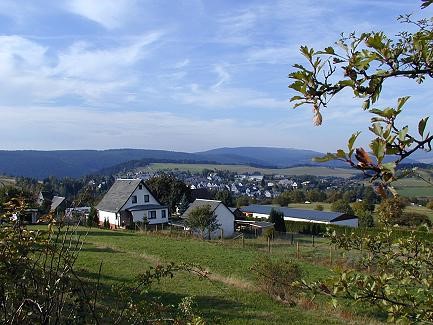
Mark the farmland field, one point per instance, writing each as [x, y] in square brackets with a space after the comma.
[230, 295]
[293, 171]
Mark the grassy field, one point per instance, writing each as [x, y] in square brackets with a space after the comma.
[230, 295]
[240, 169]
[310, 206]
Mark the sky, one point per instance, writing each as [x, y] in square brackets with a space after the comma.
[185, 75]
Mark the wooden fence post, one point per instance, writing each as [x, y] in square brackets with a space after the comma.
[297, 250]
[269, 244]
[330, 255]
[312, 240]
[222, 234]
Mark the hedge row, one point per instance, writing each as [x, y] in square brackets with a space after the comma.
[320, 229]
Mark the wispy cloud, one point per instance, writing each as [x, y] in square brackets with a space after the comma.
[80, 70]
[108, 13]
[228, 98]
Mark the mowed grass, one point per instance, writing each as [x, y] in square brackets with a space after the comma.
[310, 206]
[230, 296]
[414, 191]
[242, 169]
[415, 186]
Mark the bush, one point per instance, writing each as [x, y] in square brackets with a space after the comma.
[319, 207]
[342, 206]
[412, 219]
[429, 204]
[277, 277]
[305, 227]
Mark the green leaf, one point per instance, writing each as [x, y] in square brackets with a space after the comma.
[421, 125]
[306, 52]
[296, 98]
[351, 142]
[378, 147]
[402, 134]
[401, 102]
[377, 129]
[346, 83]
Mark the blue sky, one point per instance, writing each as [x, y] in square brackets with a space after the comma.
[178, 75]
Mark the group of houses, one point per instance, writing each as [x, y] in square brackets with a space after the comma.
[130, 201]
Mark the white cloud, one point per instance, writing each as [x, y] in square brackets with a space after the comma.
[108, 13]
[84, 61]
[228, 98]
[31, 73]
[223, 76]
[74, 127]
[272, 55]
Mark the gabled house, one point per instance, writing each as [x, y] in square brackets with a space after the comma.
[224, 216]
[129, 201]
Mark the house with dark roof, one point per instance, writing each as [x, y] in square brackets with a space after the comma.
[129, 201]
[335, 218]
[224, 216]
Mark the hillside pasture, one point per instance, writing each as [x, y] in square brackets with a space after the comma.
[243, 169]
[230, 295]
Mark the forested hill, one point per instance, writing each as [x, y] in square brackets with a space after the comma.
[76, 163]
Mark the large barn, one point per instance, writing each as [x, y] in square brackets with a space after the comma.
[334, 218]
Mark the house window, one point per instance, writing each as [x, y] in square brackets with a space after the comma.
[163, 213]
[134, 199]
[151, 215]
[146, 198]
[140, 187]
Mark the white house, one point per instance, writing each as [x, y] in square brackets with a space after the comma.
[128, 201]
[224, 216]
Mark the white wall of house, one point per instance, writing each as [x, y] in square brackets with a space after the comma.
[140, 195]
[227, 221]
[137, 216]
[110, 216]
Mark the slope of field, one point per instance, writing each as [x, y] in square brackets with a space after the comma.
[416, 186]
[240, 169]
[230, 295]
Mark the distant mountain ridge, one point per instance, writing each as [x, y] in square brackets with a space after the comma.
[76, 163]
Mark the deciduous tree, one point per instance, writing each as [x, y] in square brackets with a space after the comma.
[203, 219]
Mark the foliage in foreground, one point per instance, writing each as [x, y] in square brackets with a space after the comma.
[278, 277]
[394, 274]
[40, 285]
